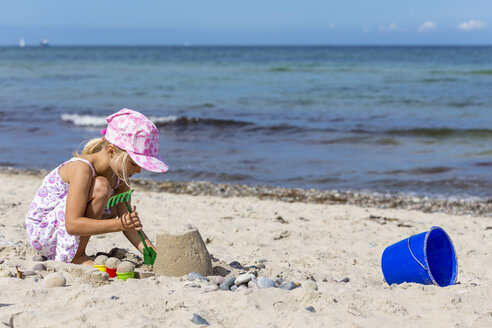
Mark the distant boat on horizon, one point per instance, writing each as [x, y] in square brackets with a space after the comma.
[22, 43]
[44, 43]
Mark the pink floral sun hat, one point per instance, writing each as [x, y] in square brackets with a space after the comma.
[133, 132]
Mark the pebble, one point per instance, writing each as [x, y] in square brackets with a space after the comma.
[261, 266]
[228, 282]
[39, 267]
[29, 273]
[265, 282]
[253, 284]
[192, 285]
[279, 282]
[210, 288]
[288, 285]
[236, 265]
[36, 279]
[240, 288]
[346, 279]
[262, 261]
[198, 320]
[216, 280]
[1, 261]
[310, 309]
[244, 278]
[39, 258]
[195, 275]
[233, 288]
[55, 279]
[115, 297]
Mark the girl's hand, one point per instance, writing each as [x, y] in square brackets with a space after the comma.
[131, 221]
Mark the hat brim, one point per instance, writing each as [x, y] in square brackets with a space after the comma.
[149, 163]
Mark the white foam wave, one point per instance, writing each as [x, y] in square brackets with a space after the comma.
[84, 120]
[89, 120]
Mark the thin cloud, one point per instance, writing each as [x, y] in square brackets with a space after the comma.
[428, 26]
[332, 26]
[393, 27]
[470, 25]
[366, 30]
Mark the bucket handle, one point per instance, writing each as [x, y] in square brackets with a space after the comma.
[410, 249]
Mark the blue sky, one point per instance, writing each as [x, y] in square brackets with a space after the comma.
[236, 22]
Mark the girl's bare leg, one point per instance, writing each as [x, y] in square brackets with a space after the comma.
[99, 194]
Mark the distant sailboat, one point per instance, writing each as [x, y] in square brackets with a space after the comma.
[22, 43]
[44, 43]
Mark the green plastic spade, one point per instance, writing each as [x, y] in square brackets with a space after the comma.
[148, 253]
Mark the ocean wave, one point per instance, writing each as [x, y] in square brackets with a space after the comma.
[159, 121]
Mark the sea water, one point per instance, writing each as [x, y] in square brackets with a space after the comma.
[414, 120]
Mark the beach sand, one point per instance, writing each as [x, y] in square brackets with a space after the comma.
[315, 245]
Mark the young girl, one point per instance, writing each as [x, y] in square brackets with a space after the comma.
[69, 207]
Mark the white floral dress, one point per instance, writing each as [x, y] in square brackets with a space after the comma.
[45, 221]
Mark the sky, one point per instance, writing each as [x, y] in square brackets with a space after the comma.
[247, 22]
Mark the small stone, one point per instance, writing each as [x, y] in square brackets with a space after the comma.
[345, 280]
[39, 267]
[210, 288]
[29, 273]
[310, 309]
[36, 279]
[233, 288]
[288, 285]
[115, 297]
[125, 267]
[279, 281]
[198, 320]
[195, 275]
[240, 288]
[265, 283]
[262, 261]
[261, 266]
[55, 279]
[228, 282]
[100, 260]
[39, 258]
[191, 284]
[216, 280]
[1, 261]
[253, 284]
[236, 265]
[244, 278]
[112, 262]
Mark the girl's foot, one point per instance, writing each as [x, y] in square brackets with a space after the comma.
[83, 259]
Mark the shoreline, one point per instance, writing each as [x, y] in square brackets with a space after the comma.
[478, 208]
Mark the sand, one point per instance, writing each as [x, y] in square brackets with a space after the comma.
[325, 243]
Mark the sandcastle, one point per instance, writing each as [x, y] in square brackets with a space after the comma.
[181, 254]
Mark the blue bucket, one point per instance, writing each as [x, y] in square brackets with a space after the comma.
[427, 258]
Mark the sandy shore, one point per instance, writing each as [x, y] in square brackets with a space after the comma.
[316, 245]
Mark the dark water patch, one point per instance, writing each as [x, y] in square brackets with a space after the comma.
[279, 69]
[195, 121]
[442, 132]
[481, 72]
[483, 164]
[421, 170]
[443, 80]
[462, 104]
[205, 105]
[388, 141]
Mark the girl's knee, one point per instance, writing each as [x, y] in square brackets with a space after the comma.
[101, 188]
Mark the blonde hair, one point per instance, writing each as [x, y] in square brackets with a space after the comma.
[122, 158]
